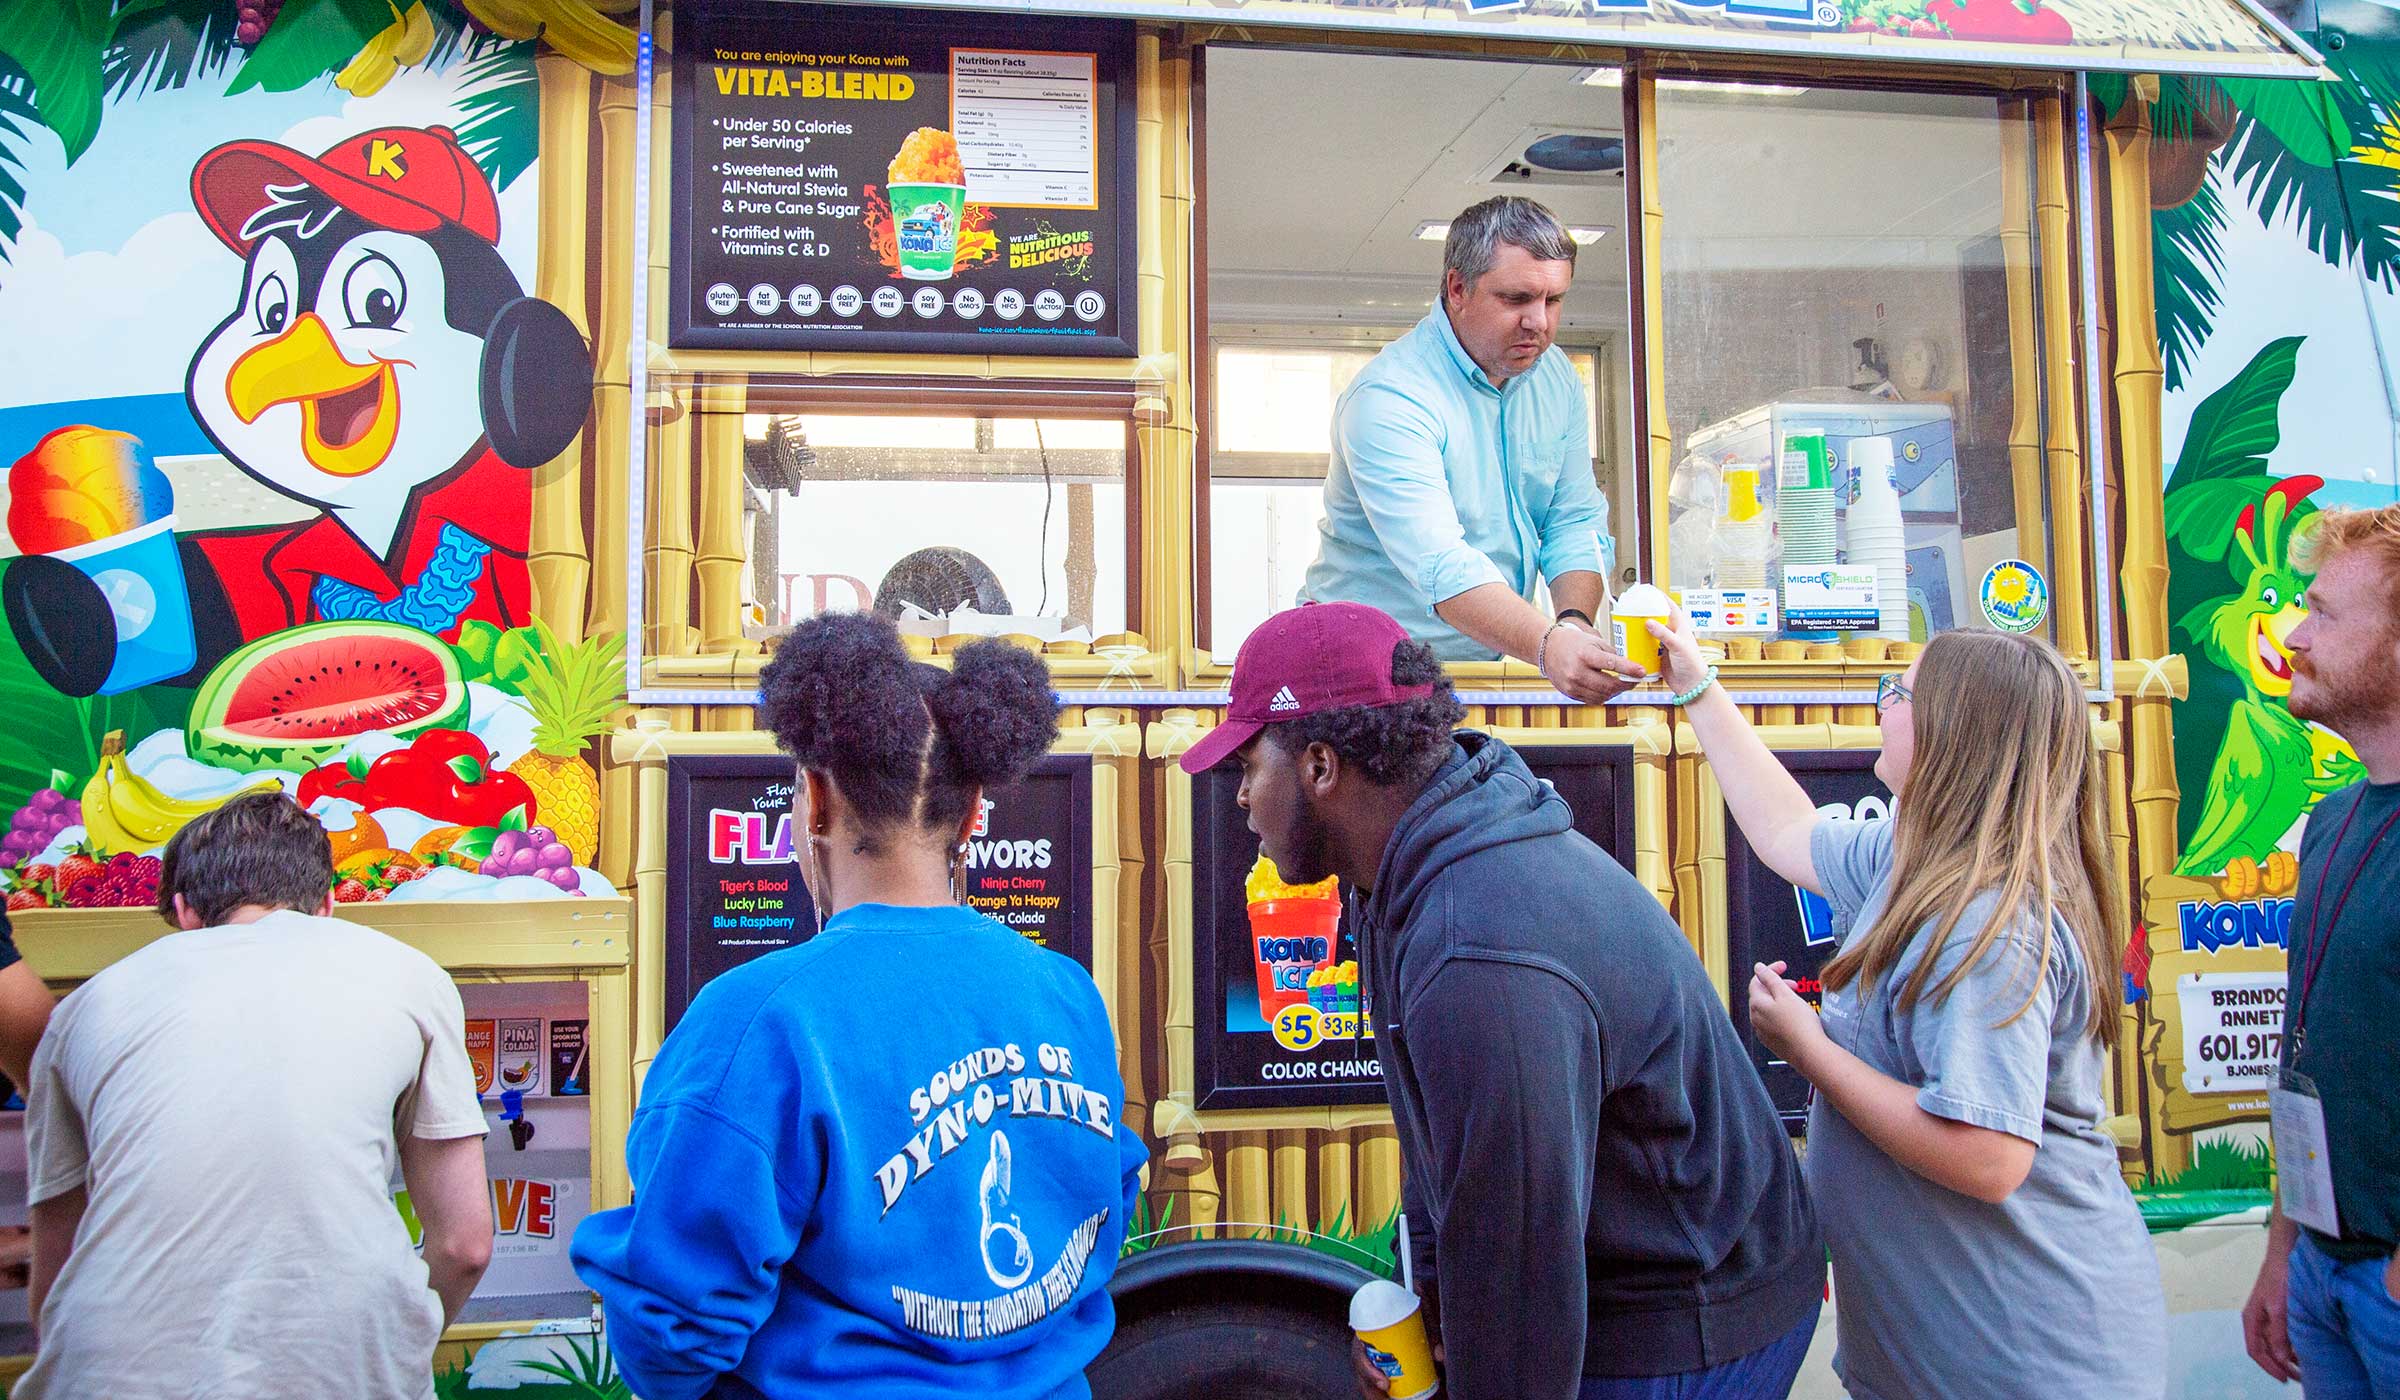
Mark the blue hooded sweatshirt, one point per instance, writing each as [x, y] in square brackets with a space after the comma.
[886, 1163]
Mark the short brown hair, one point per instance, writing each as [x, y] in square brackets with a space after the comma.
[2372, 532]
[261, 849]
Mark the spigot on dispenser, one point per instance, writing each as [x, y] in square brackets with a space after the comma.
[512, 1112]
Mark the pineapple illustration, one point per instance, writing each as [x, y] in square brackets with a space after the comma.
[572, 692]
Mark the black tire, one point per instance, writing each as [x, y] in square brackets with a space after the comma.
[940, 579]
[1226, 1351]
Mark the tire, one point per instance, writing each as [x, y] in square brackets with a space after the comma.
[1226, 1351]
[939, 580]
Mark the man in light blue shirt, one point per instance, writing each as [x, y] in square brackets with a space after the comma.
[1461, 473]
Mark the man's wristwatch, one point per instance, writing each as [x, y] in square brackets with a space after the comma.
[1578, 614]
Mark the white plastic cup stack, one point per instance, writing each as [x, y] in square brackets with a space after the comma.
[1877, 538]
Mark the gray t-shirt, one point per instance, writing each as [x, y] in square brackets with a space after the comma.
[2053, 1292]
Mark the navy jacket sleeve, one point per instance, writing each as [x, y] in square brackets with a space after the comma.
[1508, 1056]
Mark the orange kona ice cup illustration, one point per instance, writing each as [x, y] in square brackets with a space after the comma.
[90, 500]
[1293, 932]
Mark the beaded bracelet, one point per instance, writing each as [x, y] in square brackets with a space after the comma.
[1679, 701]
[1541, 650]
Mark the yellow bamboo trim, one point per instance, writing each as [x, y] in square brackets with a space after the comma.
[1337, 1201]
[612, 517]
[616, 821]
[1165, 184]
[2069, 528]
[2140, 385]
[723, 549]
[611, 1049]
[1248, 1184]
[556, 559]
[464, 936]
[1137, 1041]
[650, 883]
[667, 575]
[1175, 893]
[688, 362]
[1118, 661]
[1317, 1119]
[1289, 1196]
[1713, 916]
[1661, 444]
[2024, 363]
[2126, 1066]
[1378, 1177]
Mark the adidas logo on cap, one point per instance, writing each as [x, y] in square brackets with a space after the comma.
[1284, 700]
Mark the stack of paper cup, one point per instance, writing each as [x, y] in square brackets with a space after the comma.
[1804, 523]
[1804, 506]
[1876, 537]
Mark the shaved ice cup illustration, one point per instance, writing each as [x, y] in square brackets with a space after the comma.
[1290, 939]
[927, 218]
[140, 572]
[91, 498]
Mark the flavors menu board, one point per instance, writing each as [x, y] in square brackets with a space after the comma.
[1278, 1017]
[1770, 920]
[735, 889]
[890, 180]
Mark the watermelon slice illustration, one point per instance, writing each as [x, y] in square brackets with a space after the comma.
[292, 700]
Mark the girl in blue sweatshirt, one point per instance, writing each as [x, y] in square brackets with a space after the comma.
[888, 1162]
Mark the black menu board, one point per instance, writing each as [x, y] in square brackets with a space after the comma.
[1768, 919]
[735, 890]
[1276, 1007]
[871, 179]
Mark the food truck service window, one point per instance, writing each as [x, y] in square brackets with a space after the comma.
[1867, 402]
[941, 516]
[1319, 253]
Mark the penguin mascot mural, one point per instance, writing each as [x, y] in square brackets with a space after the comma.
[383, 366]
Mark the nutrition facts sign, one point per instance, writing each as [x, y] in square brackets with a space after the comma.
[735, 889]
[880, 180]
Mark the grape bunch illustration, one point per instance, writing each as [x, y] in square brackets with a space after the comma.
[537, 852]
[36, 824]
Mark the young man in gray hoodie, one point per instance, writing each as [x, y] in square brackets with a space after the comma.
[1602, 1202]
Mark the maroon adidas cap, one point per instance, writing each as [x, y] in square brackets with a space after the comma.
[1304, 661]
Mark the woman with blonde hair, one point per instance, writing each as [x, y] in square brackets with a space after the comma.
[1983, 1242]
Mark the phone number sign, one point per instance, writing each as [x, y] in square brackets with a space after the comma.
[2232, 1030]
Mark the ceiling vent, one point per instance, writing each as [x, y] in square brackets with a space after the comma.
[1551, 156]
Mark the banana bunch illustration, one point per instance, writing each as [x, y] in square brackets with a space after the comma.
[124, 811]
[572, 27]
[406, 41]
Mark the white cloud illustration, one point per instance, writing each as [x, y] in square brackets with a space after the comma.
[104, 325]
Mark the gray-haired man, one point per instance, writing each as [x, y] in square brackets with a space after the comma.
[1462, 471]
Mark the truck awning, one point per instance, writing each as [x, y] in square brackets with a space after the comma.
[2220, 38]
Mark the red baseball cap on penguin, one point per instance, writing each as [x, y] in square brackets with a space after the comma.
[1305, 661]
[409, 179]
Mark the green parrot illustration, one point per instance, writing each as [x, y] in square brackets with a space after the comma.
[2271, 767]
